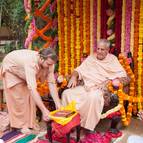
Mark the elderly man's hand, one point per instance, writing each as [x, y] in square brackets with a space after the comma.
[140, 115]
[72, 82]
[116, 82]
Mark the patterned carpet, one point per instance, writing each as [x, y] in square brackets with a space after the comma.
[134, 128]
[17, 137]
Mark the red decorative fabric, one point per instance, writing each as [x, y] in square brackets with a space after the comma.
[59, 139]
[96, 138]
[61, 130]
[42, 141]
[110, 116]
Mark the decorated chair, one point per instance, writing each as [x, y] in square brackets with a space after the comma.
[120, 109]
[115, 110]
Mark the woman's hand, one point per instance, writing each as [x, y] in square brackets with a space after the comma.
[72, 82]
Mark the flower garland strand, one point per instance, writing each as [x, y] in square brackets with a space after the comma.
[128, 25]
[66, 60]
[31, 27]
[91, 27]
[123, 96]
[94, 25]
[135, 52]
[132, 27]
[59, 38]
[72, 38]
[99, 19]
[84, 27]
[140, 54]
[62, 38]
[87, 27]
[81, 27]
[69, 34]
[123, 26]
[74, 6]
[77, 33]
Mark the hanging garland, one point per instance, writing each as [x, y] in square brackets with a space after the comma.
[123, 96]
[91, 27]
[94, 25]
[136, 41]
[72, 38]
[84, 27]
[140, 55]
[99, 19]
[87, 27]
[77, 46]
[30, 24]
[74, 34]
[110, 12]
[132, 27]
[128, 25]
[66, 37]
[123, 26]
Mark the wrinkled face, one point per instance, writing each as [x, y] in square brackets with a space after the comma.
[46, 63]
[101, 51]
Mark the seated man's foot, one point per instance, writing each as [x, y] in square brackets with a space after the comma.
[114, 133]
[25, 130]
[87, 131]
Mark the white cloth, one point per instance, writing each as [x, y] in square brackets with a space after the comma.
[135, 139]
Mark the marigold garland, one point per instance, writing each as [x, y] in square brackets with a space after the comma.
[74, 34]
[123, 96]
[140, 55]
[72, 61]
[66, 37]
[136, 41]
[94, 25]
[43, 88]
[99, 19]
[123, 26]
[91, 27]
[128, 25]
[132, 27]
[77, 33]
[87, 27]
[84, 26]
[59, 38]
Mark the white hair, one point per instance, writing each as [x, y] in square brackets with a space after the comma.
[104, 42]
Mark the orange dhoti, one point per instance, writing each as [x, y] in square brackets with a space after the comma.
[21, 106]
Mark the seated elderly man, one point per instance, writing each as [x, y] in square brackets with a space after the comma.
[95, 71]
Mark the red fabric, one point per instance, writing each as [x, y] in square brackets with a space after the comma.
[60, 130]
[96, 138]
[114, 135]
[59, 139]
[42, 141]
[110, 116]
